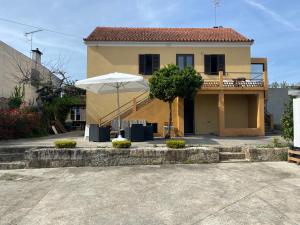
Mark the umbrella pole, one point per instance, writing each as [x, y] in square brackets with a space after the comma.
[119, 116]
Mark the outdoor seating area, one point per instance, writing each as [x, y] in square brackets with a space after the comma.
[136, 131]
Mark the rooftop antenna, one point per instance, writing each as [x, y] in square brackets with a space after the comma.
[30, 34]
[216, 5]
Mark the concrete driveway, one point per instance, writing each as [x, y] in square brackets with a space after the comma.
[194, 139]
[226, 193]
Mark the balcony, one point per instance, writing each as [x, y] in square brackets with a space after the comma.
[259, 82]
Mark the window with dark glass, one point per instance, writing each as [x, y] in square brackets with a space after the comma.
[213, 64]
[184, 60]
[75, 114]
[149, 63]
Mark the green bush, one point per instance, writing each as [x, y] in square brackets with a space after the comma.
[287, 122]
[17, 97]
[175, 143]
[65, 144]
[121, 144]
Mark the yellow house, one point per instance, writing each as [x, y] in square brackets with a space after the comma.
[230, 102]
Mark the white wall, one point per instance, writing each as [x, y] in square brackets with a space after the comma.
[277, 98]
[10, 58]
[296, 103]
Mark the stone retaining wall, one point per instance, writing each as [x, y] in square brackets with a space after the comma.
[51, 157]
[266, 154]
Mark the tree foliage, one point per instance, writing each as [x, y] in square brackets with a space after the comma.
[287, 122]
[170, 82]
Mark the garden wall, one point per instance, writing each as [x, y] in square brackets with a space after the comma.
[51, 157]
[255, 154]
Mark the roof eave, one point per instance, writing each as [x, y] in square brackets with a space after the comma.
[170, 43]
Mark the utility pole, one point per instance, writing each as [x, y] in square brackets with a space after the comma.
[216, 5]
[30, 38]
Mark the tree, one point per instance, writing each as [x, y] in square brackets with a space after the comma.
[287, 121]
[170, 82]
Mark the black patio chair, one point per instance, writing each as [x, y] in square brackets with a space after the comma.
[135, 133]
[99, 134]
[148, 132]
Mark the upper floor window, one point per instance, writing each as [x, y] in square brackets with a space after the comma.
[149, 63]
[213, 64]
[184, 60]
[257, 70]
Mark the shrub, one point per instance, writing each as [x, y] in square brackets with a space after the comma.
[175, 143]
[287, 122]
[65, 144]
[16, 98]
[16, 123]
[121, 144]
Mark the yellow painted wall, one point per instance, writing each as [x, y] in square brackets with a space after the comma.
[155, 112]
[252, 111]
[103, 60]
[236, 111]
[206, 114]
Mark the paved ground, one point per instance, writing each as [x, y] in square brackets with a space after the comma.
[225, 193]
[204, 140]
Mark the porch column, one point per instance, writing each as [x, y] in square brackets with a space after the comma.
[221, 108]
[180, 116]
[261, 113]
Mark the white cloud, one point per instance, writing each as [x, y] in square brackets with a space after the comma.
[275, 16]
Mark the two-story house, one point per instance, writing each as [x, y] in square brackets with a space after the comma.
[230, 102]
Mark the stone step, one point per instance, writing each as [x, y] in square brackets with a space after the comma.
[12, 150]
[9, 157]
[231, 155]
[235, 161]
[230, 149]
[12, 165]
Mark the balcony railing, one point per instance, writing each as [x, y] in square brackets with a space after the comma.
[223, 82]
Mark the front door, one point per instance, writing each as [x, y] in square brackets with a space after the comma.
[188, 116]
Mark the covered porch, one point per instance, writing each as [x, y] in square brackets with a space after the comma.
[229, 113]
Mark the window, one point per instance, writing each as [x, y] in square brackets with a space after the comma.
[213, 64]
[184, 60]
[75, 114]
[149, 63]
[257, 70]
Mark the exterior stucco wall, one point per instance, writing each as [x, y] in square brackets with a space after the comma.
[10, 74]
[156, 112]
[103, 60]
[206, 114]
[236, 111]
[277, 98]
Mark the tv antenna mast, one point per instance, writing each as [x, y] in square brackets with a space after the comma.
[216, 4]
[30, 34]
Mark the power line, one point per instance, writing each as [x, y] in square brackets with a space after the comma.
[36, 27]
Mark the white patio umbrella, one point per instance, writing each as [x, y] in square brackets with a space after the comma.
[114, 83]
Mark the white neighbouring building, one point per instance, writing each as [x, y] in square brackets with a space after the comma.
[13, 66]
[296, 103]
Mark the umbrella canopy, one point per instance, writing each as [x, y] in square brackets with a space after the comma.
[108, 83]
[114, 83]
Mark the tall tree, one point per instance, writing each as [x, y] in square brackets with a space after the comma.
[170, 82]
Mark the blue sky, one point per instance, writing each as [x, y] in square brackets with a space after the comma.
[273, 24]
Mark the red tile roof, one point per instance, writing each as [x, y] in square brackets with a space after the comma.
[126, 34]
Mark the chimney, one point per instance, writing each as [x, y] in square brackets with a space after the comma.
[36, 56]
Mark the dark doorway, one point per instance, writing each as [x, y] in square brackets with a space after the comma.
[188, 116]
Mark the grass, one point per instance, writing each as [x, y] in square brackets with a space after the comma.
[276, 143]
